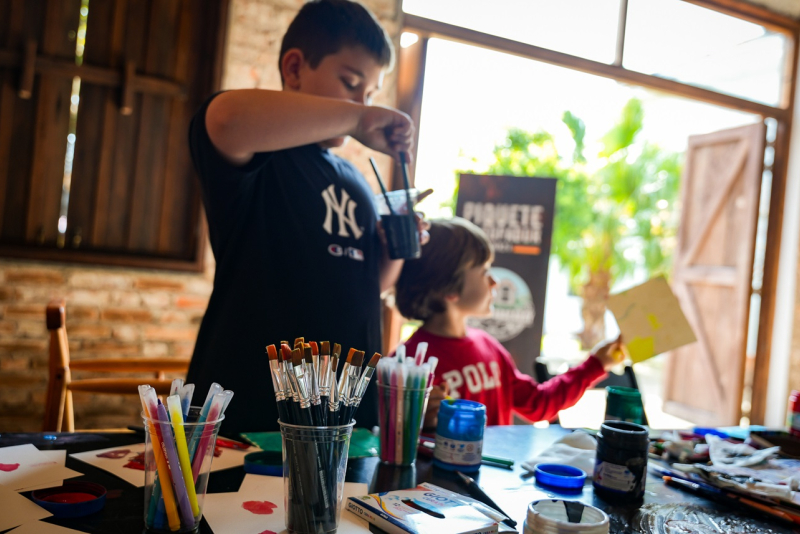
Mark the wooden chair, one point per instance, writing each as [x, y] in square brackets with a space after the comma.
[58, 412]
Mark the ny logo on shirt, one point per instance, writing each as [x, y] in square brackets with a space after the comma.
[345, 209]
[475, 376]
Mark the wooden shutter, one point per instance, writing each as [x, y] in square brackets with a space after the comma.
[147, 66]
[713, 271]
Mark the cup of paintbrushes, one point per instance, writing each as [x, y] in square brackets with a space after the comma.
[397, 217]
[400, 226]
[314, 466]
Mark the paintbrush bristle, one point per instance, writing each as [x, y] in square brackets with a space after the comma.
[350, 354]
[297, 357]
[337, 349]
[374, 360]
[325, 348]
[358, 358]
[314, 347]
[272, 352]
[286, 352]
[284, 342]
[307, 353]
[299, 340]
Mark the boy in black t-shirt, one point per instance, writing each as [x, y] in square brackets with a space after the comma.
[292, 226]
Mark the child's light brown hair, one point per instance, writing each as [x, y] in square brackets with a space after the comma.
[456, 245]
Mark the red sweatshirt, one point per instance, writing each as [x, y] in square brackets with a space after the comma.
[478, 368]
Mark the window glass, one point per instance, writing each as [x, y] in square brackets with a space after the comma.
[583, 28]
[691, 44]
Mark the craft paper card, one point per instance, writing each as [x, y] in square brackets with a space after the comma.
[40, 527]
[128, 462]
[25, 466]
[17, 510]
[650, 319]
[257, 508]
[59, 457]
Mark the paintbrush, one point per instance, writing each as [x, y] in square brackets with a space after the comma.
[313, 384]
[350, 380]
[278, 383]
[324, 378]
[333, 401]
[361, 387]
[292, 399]
[406, 183]
[383, 187]
[302, 389]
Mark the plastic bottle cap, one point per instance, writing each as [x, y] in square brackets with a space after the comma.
[560, 476]
[73, 499]
[557, 516]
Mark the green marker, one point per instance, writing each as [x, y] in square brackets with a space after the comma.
[497, 460]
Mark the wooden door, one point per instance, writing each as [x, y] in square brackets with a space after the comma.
[713, 270]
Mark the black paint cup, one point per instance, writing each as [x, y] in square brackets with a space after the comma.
[402, 237]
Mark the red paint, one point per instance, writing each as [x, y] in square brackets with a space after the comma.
[115, 455]
[268, 532]
[217, 451]
[137, 462]
[70, 498]
[8, 467]
[259, 507]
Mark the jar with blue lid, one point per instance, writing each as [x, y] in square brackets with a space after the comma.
[459, 435]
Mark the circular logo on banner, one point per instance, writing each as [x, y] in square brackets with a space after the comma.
[513, 307]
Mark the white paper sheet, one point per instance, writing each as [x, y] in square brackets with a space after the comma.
[59, 457]
[40, 527]
[116, 466]
[16, 509]
[25, 466]
[226, 514]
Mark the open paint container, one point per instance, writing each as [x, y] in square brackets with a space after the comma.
[557, 516]
[73, 499]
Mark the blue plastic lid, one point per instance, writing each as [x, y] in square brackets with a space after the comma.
[73, 499]
[559, 476]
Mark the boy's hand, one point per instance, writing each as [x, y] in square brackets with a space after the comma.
[385, 130]
[438, 394]
[609, 352]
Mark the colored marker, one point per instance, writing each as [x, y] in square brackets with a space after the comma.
[176, 413]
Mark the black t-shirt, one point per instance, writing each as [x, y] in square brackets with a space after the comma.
[294, 237]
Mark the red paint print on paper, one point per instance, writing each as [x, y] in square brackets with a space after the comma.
[137, 462]
[8, 467]
[115, 455]
[269, 532]
[259, 507]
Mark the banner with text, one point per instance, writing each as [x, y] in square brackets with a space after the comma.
[517, 215]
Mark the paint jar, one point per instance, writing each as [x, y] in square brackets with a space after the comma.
[314, 466]
[459, 435]
[624, 404]
[620, 467]
[794, 414]
[556, 516]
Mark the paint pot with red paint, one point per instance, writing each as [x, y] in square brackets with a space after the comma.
[73, 499]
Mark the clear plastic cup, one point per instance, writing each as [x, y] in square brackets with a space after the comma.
[314, 467]
[401, 413]
[400, 225]
[179, 507]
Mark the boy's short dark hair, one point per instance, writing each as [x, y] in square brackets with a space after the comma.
[323, 27]
[455, 246]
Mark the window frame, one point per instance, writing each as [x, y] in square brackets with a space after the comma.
[411, 74]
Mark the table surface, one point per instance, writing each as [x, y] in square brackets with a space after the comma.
[512, 489]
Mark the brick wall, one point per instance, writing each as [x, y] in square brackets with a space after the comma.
[119, 312]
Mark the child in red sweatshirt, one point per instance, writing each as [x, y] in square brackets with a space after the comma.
[450, 283]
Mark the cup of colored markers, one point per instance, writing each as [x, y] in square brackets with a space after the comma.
[404, 385]
[179, 447]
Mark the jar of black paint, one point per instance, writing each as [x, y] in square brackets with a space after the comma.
[620, 468]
